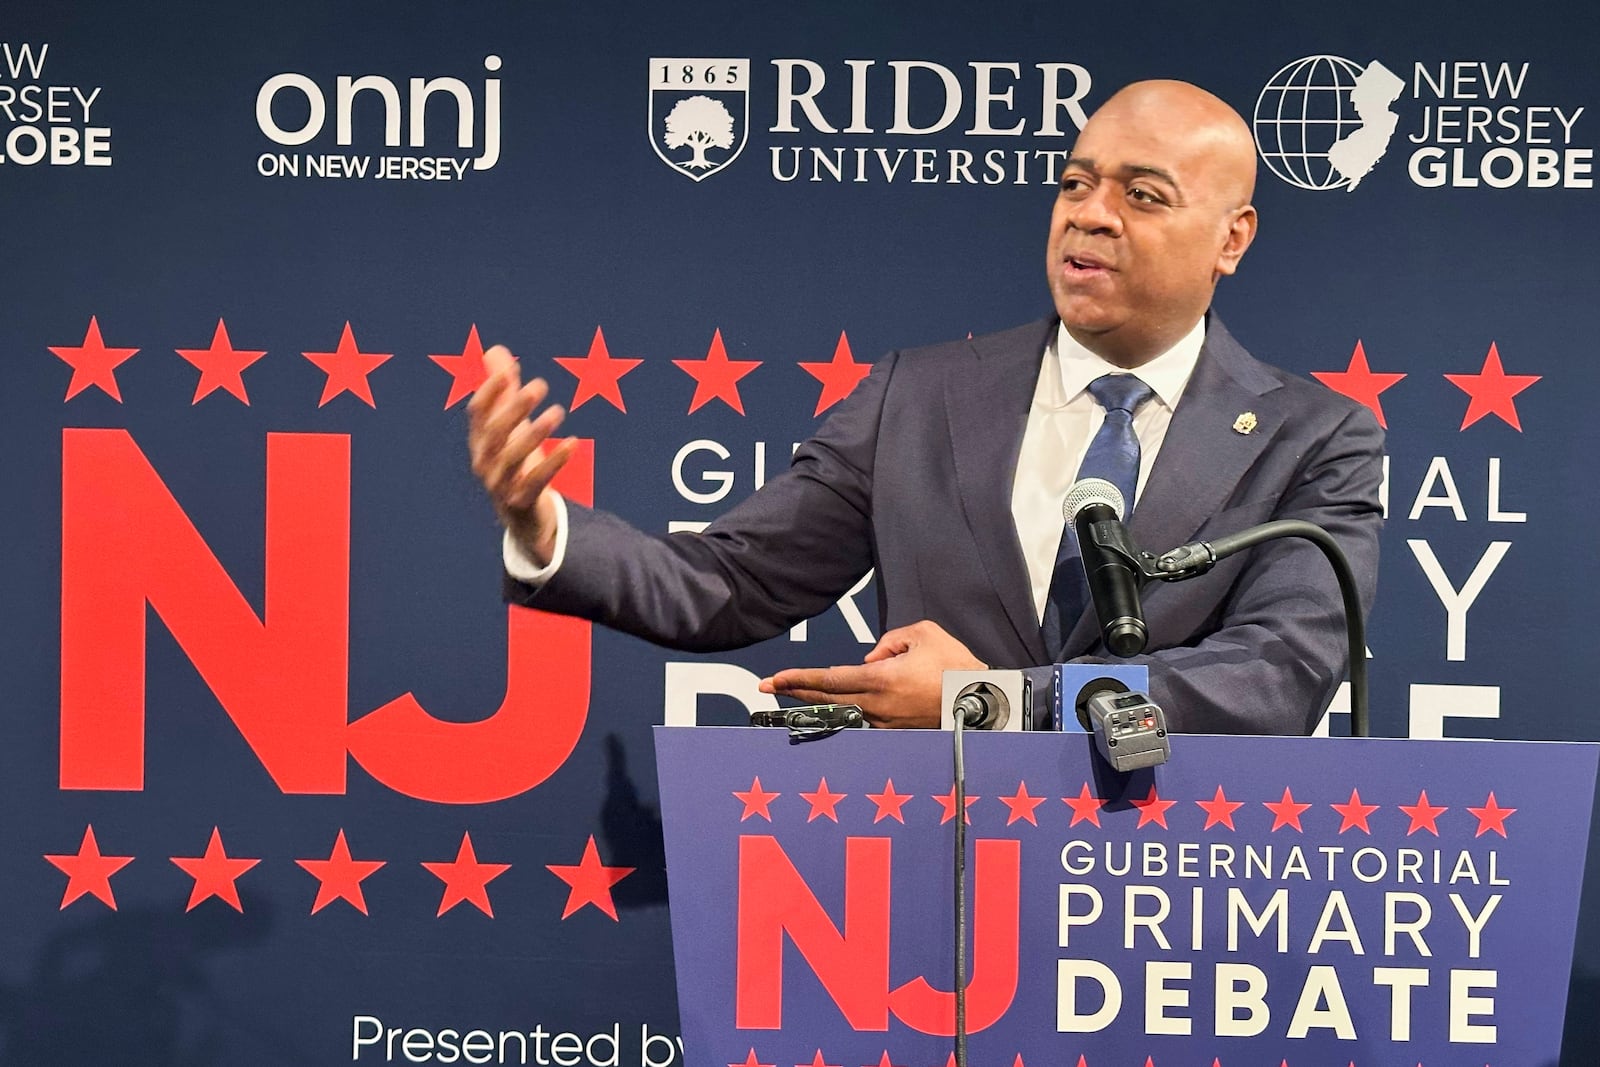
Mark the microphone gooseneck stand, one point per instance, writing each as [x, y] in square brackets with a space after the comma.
[1192, 560]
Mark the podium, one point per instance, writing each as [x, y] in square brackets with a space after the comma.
[1312, 902]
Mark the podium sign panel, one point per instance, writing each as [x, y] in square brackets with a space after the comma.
[1256, 900]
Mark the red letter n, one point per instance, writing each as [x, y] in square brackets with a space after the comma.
[775, 901]
[126, 543]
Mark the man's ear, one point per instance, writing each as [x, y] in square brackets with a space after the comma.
[1241, 231]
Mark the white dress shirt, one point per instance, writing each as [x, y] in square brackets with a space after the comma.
[1062, 420]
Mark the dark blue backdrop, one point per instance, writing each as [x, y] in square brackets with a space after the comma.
[579, 225]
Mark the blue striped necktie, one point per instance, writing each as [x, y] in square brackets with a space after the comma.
[1114, 456]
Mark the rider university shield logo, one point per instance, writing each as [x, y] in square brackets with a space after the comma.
[699, 113]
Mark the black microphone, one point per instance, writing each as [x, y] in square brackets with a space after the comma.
[1094, 507]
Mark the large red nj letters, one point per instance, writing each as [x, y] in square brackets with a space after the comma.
[282, 678]
[853, 966]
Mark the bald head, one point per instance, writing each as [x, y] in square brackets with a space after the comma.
[1154, 208]
[1188, 121]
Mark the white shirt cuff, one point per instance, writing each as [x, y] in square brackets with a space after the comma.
[523, 567]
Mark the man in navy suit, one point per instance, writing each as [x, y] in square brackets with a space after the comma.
[946, 468]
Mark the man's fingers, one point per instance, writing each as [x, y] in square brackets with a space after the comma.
[500, 376]
[822, 696]
[513, 409]
[900, 640]
[536, 473]
[498, 358]
[524, 440]
[880, 651]
[890, 645]
[494, 384]
[501, 438]
[831, 684]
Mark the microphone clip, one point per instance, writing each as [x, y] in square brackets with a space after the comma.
[811, 722]
[1179, 564]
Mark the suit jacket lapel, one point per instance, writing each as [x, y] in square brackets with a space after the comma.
[987, 403]
[1202, 458]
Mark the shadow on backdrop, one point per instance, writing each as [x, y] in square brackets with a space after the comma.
[632, 830]
[131, 988]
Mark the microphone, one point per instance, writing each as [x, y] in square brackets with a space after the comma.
[1094, 507]
[986, 700]
[982, 706]
[1129, 729]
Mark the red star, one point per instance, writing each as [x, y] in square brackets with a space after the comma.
[466, 370]
[882, 1062]
[221, 366]
[1219, 810]
[93, 363]
[1286, 812]
[1492, 390]
[756, 800]
[1022, 805]
[466, 879]
[1354, 813]
[839, 376]
[347, 368]
[88, 871]
[948, 803]
[716, 377]
[951, 1062]
[750, 1061]
[599, 375]
[1359, 383]
[1084, 806]
[341, 876]
[823, 802]
[1424, 816]
[1153, 809]
[590, 880]
[214, 873]
[1491, 817]
[817, 1061]
[889, 803]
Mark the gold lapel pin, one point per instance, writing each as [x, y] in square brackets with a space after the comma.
[1245, 423]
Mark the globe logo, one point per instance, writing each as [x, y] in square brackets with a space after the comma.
[1323, 121]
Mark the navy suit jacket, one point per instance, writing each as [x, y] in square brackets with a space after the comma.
[912, 475]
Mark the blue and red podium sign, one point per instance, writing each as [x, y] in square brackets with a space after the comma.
[1256, 900]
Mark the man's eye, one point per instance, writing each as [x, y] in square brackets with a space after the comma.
[1073, 185]
[1144, 196]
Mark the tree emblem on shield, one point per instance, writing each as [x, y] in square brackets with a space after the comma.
[699, 113]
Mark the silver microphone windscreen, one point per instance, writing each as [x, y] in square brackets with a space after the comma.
[1086, 491]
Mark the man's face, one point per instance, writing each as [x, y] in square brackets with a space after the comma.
[1145, 221]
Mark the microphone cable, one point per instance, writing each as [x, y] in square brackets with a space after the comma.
[960, 797]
